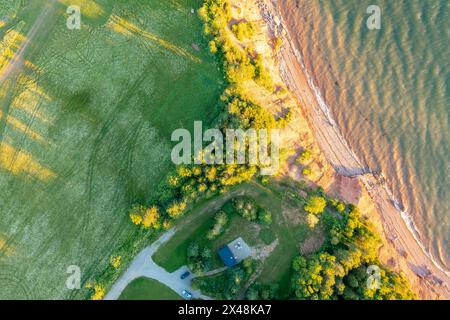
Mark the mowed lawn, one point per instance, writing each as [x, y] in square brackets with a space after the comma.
[148, 289]
[85, 131]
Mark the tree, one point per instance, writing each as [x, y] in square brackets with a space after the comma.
[315, 205]
[213, 47]
[151, 218]
[136, 214]
[243, 30]
[136, 218]
[176, 209]
[314, 278]
[99, 292]
[249, 266]
[259, 291]
[193, 250]
[220, 220]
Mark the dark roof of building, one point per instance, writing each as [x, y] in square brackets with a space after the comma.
[227, 257]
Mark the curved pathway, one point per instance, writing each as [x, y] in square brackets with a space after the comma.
[144, 266]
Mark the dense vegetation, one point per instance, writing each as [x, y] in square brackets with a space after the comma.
[347, 265]
[229, 284]
[199, 258]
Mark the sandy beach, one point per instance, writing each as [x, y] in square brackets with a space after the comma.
[399, 242]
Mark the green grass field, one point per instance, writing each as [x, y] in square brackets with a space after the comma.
[148, 289]
[85, 130]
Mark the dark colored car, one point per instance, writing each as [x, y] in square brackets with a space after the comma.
[185, 275]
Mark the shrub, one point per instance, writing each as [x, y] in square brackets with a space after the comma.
[115, 261]
[151, 218]
[220, 221]
[312, 220]
[264, 217]
[304, 157]
[245, 208]
[307, 171]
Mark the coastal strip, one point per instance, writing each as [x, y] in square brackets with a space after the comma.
[430, 280]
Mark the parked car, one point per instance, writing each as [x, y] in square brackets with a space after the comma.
[187, 295]
[185, 275]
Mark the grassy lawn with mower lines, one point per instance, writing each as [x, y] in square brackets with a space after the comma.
[85, 131]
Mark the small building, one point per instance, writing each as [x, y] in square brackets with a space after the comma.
[234, 252]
